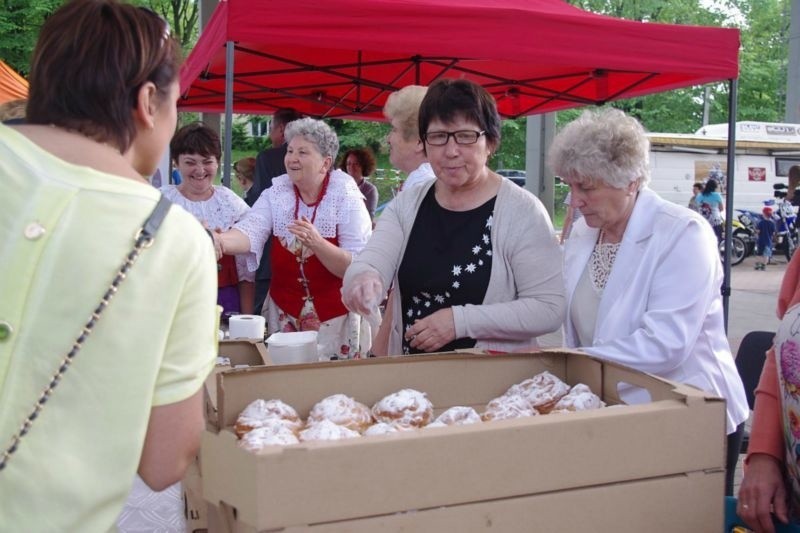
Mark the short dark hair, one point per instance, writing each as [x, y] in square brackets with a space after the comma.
[90, 61]
[364, 157]
[285, 115]
[711, 186]
[447, 98]
[195, 138]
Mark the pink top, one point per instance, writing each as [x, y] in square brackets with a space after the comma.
[766, 435]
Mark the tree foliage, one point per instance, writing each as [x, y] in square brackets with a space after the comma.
[20, 21]
[763, 59]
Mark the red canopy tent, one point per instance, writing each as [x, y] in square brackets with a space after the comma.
[341, 58]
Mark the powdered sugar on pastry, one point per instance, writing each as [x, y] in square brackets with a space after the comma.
[458, 416]
[343, 411]
[327, 430]
[406, 407]
[542, 391]
[258, 412]
[506, 407]
[275, 433]
[382, 428]
[580, 398]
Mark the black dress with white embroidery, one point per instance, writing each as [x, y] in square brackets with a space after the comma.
[447, 262]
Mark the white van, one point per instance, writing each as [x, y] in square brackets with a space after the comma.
[764, 153]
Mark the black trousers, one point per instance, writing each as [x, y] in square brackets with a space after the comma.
[733, 449]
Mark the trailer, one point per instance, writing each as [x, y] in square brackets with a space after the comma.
[764, 153]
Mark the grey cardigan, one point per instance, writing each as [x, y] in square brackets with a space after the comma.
[525, 296]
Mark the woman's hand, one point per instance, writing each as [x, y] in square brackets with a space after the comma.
[306, 233]
[432, 332]
[364, 293]
[216, 236]
[762, 493]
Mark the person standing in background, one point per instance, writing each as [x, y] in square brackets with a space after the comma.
[406, 150]
[269, 165]
[245, 170]
[697, 188]
[360, 163]
[711, 207]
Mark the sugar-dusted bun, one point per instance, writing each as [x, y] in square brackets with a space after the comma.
[506, 407]
[382, 428]
[407, 407]
[458, 416]
[274, 433]
[259, 412]
[327, 430]
[542, 391]
[343, 411]
[579, 398]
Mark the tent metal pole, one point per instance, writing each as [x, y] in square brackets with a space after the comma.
[730, 174]
[226, 169]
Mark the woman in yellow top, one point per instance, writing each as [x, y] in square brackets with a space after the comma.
[103, 88]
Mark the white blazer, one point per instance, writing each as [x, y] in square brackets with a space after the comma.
[661, 310]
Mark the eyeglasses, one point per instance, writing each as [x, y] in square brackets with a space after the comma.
[440, 138]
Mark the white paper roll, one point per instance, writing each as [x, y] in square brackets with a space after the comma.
[246, 327]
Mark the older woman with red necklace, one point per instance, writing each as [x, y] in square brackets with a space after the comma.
[319, 221]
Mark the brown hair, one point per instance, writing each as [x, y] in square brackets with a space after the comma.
[448, 98]
[246, 167]
[90, 61]
[195, 138]
[365, 160]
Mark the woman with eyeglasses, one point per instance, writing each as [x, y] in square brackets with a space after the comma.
[473, 257]
[196, 151]
[101, 361]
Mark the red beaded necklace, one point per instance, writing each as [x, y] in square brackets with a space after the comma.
[315, 204]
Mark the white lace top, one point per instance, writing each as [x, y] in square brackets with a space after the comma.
[341, 213]
[221, 211]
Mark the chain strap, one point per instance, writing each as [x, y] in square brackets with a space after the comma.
[143, 239]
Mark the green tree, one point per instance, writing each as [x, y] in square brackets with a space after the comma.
[762, 61]
[20, 21]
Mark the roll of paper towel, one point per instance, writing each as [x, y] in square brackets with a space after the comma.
[246, 327]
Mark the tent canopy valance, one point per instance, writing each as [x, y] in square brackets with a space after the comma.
[341, 58]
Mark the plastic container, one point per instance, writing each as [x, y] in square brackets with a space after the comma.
[286, 348]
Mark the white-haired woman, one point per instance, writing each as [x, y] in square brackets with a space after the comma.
[642, 275]
[319, 221]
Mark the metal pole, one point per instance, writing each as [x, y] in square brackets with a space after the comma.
[731, 172]
[226, 169]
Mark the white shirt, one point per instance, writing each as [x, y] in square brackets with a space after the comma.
[423, 173]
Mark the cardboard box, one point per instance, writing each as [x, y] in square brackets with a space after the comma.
[250, 352]
[615, 469]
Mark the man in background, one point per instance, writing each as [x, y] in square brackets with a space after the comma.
[269, 164]
[406, 150]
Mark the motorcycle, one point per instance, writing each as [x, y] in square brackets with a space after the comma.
[740, 247]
